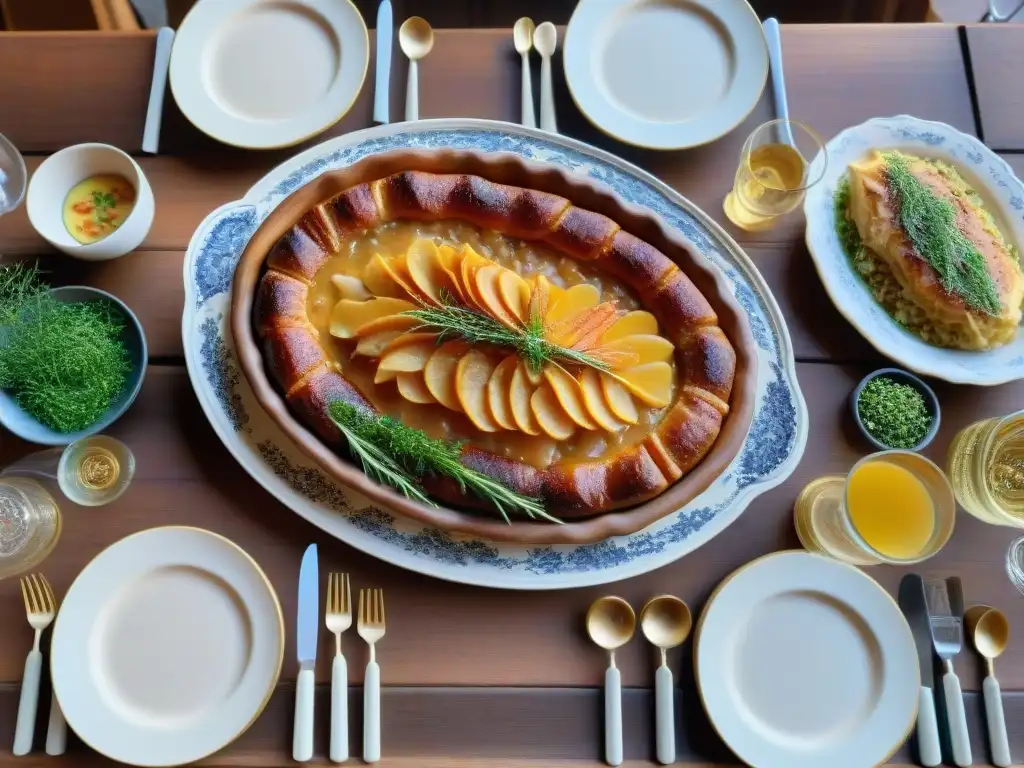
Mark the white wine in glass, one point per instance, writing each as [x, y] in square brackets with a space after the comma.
[773, 174]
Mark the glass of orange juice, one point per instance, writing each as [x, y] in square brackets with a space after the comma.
[776, 169]
[893, 507]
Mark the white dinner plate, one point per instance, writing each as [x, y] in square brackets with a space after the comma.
[167, 647]
[993, 180]
[262, 74]
[804, 662]
[665, 74]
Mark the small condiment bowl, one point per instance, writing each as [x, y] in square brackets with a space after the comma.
[931, 403]
[54, 178]
[25, 426]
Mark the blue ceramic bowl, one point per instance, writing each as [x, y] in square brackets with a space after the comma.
[28, 428]
[931, 402]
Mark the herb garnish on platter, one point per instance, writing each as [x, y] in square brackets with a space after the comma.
[397, 455]
[64, 363]
[929, 222]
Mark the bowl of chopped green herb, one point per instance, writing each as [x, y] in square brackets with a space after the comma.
[72, 359]
[895, 409]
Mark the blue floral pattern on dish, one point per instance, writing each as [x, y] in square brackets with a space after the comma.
[776, 435]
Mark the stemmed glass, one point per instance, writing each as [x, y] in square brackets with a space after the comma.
[13, 176]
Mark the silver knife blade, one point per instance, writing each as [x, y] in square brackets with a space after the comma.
[308, 621]
[152, 12]
[915, 611]
[382, 88]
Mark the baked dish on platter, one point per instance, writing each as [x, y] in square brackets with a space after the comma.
[491, 347]
[930, 252]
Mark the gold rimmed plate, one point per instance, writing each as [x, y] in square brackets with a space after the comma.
[167, 647]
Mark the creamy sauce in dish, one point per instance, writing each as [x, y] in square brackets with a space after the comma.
[437, 421]
[95, 207]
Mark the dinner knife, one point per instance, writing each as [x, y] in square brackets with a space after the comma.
[306, 627]
[915, 610]
[382, 90]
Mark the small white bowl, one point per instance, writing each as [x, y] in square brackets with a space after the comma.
[55, 177]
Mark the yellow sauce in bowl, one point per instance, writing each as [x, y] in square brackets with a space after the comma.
[97, 206]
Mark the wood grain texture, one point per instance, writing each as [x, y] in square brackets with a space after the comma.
[430, 727]
[997, 52]
[448, 634]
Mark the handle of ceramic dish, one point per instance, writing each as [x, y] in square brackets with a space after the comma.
[547, 97]
[612, 716]
[371, 713]
[664, 711]
[929, 750]
[28, 703]
[56, 728]
[958, 735]
[997, 740]
[529, 116]
[339, 710]
[302, 734]
[412, 93]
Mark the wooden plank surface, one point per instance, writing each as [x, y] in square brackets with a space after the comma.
[997, 56]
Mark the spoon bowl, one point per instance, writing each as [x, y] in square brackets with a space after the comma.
[522, 35]
[666, 621]
[611, 622]
[415, 38]
[545, 39]
[989, 630]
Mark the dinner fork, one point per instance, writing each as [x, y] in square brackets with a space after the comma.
[371, 629]
[339, 618]
[945, 611]
[40, 606]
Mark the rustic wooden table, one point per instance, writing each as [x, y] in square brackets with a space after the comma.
[481, 677]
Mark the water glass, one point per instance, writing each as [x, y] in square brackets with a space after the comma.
[13, 176]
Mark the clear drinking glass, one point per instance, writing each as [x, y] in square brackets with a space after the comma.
[986, 467]
[775, 171]
[825, 523]
[30, 525]
[13, 176]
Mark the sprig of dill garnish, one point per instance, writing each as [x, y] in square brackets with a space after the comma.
[64, 363]
[929, 222]
[453, 321]
[394, 454]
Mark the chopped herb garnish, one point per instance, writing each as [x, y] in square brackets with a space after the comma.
[893, 413]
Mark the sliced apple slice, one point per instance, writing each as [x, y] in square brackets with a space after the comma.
[349, 316]
[569, 395]
[486, 282]
[426, 271]
[631, 351]
[595, 403]
[381, 376]
[471, 262]
[350, 287]
[520, 393]
[439, 373]
[552, 419]
[515, 294]
[582, 331]
[631, 324]
[499, 387]
[413, 388]
[573, 301]
[619, 401]
[543, 296]
[471, 376]
[408, 353]
[375, 344]
[377, 277]
[387, 323]
[651, 383]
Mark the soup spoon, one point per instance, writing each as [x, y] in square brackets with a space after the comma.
[416, 39]
[522, 36]
[666, 622]
[990, 634]
[610, 624]
[545, 39]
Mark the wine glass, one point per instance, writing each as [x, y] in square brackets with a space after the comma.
[13, 176]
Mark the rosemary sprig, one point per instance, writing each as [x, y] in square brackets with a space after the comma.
[450, 320]
[398, 455]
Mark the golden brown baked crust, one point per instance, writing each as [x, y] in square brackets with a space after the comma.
[309, 381]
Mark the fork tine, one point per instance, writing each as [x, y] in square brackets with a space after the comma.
[339, 596]
[26, 596]
[347, 595]
[381, 593]
[51, 600]
[37, 592]
[362, 607]
[330, 593]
